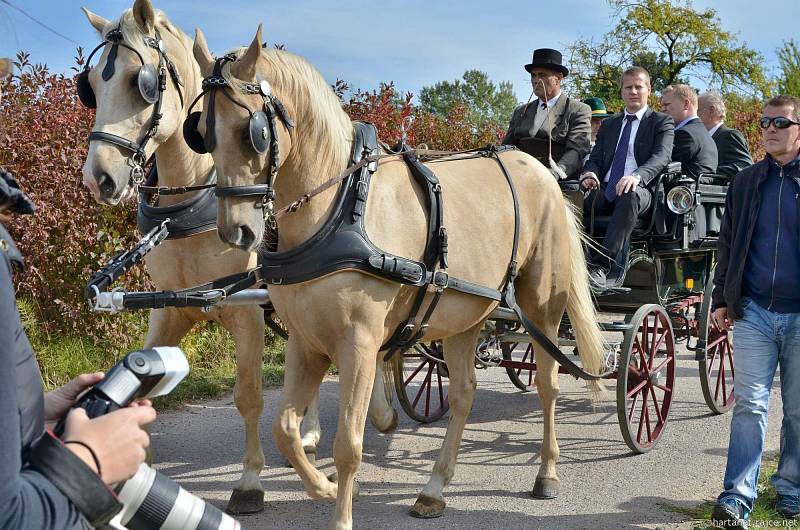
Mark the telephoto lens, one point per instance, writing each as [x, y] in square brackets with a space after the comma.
[153, 501]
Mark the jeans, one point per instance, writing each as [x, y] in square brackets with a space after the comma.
[763, 340]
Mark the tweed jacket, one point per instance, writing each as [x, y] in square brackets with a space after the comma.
[570, 125]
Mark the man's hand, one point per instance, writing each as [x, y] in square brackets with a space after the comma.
[720, 317]
[589, 180]
[58, 402]
[627, 184]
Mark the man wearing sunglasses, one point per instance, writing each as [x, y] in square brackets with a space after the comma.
[757, 285]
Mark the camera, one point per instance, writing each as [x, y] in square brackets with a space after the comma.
[150, 500]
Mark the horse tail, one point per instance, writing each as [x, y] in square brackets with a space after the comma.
[592, 347]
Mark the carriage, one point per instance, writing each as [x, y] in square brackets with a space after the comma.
[665, 300]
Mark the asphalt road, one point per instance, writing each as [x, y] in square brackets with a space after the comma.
[603, 485]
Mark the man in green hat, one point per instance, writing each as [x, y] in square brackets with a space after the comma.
[599, 113]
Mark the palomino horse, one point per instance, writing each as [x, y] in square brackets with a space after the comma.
[345, 317]
[181, 262]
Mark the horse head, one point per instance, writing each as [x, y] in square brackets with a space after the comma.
[137, 88]
[272, 124]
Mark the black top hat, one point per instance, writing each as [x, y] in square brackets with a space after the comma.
[547, 58]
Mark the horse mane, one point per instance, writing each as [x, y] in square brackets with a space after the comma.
[317, 111]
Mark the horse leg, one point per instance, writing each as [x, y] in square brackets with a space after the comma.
[547, 483]
[546, 314]
[356, 360]
[166, 327]
[246, 324]
[301, 381]
[458, 354]
[310, 430]
[382, 414]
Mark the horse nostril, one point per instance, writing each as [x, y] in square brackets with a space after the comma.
[106, 184]
[246, 237]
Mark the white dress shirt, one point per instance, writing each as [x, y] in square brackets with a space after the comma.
[630, 159]
[542, 111]
[714, 129]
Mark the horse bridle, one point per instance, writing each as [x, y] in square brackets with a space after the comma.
[262, 131]
[152, 94]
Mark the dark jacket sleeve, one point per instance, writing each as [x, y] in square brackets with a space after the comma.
[660, 156]
[579, 138]
[723, 253]
[734, 155]
[27, 499]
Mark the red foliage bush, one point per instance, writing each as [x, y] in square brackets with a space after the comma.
[44, 144]
[388, 110]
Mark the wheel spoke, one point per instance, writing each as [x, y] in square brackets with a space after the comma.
[657, 344]
[642, 415]
[633, 407]
[637, 388]
[662, 365]
[656, 406]
[654, 345]
[415, 372]
[425, 383]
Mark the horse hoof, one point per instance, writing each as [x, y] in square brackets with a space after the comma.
[246, 501]
[545, 488]
[333, 478]
[427, 507]
[392, 425]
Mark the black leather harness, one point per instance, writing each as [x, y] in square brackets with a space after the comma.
[192, 216]
[342, 244]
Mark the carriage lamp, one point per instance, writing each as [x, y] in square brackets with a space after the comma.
[680, 200]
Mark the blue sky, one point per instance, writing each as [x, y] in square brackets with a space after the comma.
[413, 43]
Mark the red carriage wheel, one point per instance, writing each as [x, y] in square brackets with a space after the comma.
[716, 360]
[421, 382]
[519, 364]
[646, 378]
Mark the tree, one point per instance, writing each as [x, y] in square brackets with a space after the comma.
[487, 103]
[789, 59]
[674, 42]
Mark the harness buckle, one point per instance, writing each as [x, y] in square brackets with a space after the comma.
[440, 280]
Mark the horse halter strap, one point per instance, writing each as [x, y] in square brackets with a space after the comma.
[262, 131]
[152, 95]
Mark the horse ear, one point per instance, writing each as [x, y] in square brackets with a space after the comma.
[245, 67]
[97, 22]
[201, 53]
[144, 15]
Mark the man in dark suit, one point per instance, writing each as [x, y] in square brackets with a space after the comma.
[554, 128]
[732, 152]
[632, 148]
[694, 148]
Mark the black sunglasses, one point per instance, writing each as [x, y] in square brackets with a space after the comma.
[780, 122]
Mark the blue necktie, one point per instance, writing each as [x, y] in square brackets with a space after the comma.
[620, 155]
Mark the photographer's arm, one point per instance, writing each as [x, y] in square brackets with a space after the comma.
[27, 499]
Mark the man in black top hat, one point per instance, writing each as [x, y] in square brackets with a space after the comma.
[553, 128]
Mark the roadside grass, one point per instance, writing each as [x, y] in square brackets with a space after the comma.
[763, 514]
[208, 347]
